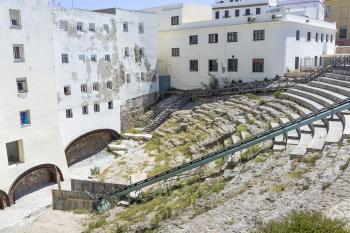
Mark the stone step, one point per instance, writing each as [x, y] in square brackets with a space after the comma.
[314, 97]
[312, 105]
[331, 87]
[277, 147]
[335, 132]
[318, 139]
[346, 132]
[301, 149]
[342, 83]
[338, 76]
[334, 96]
[293, 135]
[341, 71]
[279, 140]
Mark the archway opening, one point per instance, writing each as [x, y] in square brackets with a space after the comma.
[4, 200]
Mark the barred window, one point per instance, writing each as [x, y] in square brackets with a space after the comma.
[232, 65]
[232, 37]
[259, 35]
[258, 65]
[175, 52]
[213, 38]
[193, 65]
[175, 20]
[213, 65]
[194, 39]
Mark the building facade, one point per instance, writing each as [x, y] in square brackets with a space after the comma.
[246, 48]
[339, 11]
[71, 85]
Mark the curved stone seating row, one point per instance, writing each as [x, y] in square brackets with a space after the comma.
[331, 87]
[338, 76]
[331, 95]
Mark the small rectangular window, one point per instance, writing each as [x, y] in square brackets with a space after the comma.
[258, 65]
[96, 86]
[125, 26]
[258, 11]
[297, 36]
[232, 37]
[110, 85]
[67, 90]
[143, 77]
[232, 65]
[85, 110]
[106, 28]
[297, 63]
[126, 52]
[141, 28]
[175, 52]
[84, 88]
[213, 65]
[69, 113]
[309, 36]
[175, 20]
[142, 52]
[15, 19]
[96, 108]
[322, 37]
[331, 38]
[80, 26]
[92, 27]
[128, 78]
[93, 58]
[237, 13]
[15, 152]
[316, 61]
[227, 14]
[65, 59]
[327, 38]
[18, 53]
[316, 37]
[81, 58]
[217, 14]
[110, 105]
[63, 25]
[213, 38]
[108, 57]
[193, 65]
[22, 86]
[193, 39]
[25, 117]
[258, 35]
[343, 32]
[247, 11]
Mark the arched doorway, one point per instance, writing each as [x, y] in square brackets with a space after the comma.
[4, 200]
[89, 144]
[33, 180]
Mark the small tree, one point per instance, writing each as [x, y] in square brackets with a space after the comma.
[213, 82]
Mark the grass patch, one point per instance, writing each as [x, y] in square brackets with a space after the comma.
[277, 188]
[260, 159]
[296, 174]
[219, 163]
[134, 131]
[121, 163]
[304, 222]
[326, 185]
[241, 128]
[278, 94]
[310, 160]
[247, 155]
[252, 96]
[152, 144]
[159, 168]
[345, 165]
[101, 222]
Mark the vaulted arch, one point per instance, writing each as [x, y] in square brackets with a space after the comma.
[4, 200]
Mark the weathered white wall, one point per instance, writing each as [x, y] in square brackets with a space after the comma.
[41, 140]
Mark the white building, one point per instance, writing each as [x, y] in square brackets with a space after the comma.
[247, 48]
[72, 80]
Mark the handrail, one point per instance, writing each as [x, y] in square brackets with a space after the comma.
[267, 135]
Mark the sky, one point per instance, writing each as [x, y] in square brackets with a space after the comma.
[126, 4]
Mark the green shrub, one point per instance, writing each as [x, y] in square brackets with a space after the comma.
[95, 171]
[278, 94]
[241, 128]
[311, 159]
[260, 159]
[304, 222]
[152, 144]
[253, 97]
[296, 174]
[134, 131]
[277, 188]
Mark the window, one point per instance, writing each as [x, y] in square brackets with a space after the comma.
[247, 11]
[258, 11]
[194, 39]
[322, 37]
[258, 65]
[18, 53]
[213, 38]
[217, 14]
[81, 58]
[237, 12]
[22, 86]
[321, 61]
[331, 38]
[259, 35]
[85, 110]
[327, 38]
[193, 65]
[141, 28]
[232, 65]
[109, 85]
[96, 86]
[93, 58]
[297, 36]
[108, 57]
[232, 37]
[69, 113]
[175, 20]
[80, 26]
[309, 36]
[106, 28]
[67, 90]
[110, 105]
[143, 77]
[142, 52]
[175, 52]
[213, 65]
[65, 58]
[15, 152]
[128, 78]
[15, 19]
[316, 37]
[92, 27]
[24, 117]
[83, 88]
[63, 25]
[297, 63]
[343, 31]
[125, 26]
[316, 61]
[96, 108]
[126, 52]
[227, 14]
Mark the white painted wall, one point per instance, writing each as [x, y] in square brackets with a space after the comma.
[41, 140]
[314, 9]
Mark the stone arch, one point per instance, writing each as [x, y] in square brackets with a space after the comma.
[89, 144]
[33, 180]
[4, 200]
